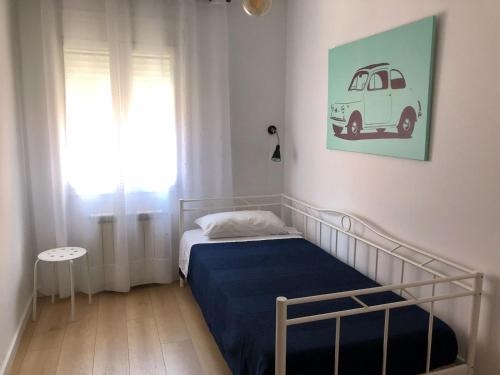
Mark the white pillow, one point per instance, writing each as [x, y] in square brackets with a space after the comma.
[241, 224]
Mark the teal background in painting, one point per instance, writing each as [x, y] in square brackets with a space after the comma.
[408, 48]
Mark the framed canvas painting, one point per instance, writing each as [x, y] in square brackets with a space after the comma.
[379, 92]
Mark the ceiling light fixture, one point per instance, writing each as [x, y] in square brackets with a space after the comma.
[257, 7]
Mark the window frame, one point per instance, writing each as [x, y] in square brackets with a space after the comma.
[356, 77]
[373, 74]
[402, 77]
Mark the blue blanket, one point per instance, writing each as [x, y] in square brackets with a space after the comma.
[236, 285]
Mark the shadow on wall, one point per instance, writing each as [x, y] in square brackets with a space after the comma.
[374, 135]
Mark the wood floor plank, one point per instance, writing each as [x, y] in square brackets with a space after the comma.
[50, 326]
[168, 316]
[181, 358]
[151, 330]
[77, 351]
[190, 310]
[22, 350]
[111, 347]
[139, 303]
[40, 362]
[145, 353]
[208, 352]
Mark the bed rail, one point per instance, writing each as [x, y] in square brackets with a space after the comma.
[440, 270]
[282, 321]
[354, 232]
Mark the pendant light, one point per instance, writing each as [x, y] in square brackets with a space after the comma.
[257, 7]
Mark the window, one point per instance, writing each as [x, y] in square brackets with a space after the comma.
[118, 138]
[358, 81]
[397, 80]
[91, 140]
[151, 143]
[379, 81]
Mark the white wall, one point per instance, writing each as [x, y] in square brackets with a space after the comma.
[257, 95]
[451, 204]
[15, 246]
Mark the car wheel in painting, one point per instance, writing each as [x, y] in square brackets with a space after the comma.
[406, 123]
[355, 125]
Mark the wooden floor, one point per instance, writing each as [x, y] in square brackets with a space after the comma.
[151, 330]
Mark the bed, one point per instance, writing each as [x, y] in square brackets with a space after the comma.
[240, 286]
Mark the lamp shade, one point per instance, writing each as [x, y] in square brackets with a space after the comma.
[257, 7]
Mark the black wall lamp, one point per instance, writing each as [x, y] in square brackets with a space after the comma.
[271, 129]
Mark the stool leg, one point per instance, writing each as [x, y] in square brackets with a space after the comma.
[88, 277]
[72, 290]
[54, 281]
[35, 289]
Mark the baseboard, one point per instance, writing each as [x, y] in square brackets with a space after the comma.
[11, 353]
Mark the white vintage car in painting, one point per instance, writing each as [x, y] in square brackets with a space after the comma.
[378, 98]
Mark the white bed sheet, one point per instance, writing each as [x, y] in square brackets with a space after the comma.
[196, 236]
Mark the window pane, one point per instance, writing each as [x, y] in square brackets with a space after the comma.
[359, 81]
[379, 80]
[397, 80]
[92, 149]
[150, 136]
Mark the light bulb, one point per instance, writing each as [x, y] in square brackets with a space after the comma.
[257, 7]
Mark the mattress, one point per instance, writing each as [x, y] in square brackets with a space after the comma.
[196, 236]
[236, 285]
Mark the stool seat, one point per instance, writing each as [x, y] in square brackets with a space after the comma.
[62, 254]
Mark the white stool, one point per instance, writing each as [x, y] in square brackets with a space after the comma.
[62, 254]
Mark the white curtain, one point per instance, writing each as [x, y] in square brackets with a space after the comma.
[133, 106]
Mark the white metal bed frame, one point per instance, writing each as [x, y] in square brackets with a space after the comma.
[468, 281]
